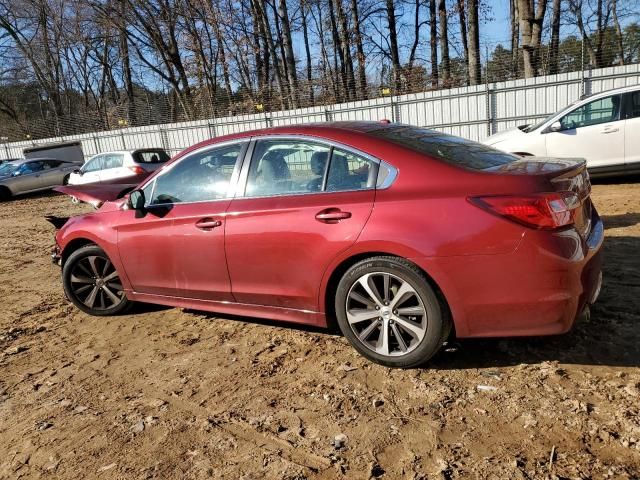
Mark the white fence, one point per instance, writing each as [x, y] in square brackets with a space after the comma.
[471, 112]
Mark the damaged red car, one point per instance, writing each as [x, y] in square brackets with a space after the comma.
[400, 234]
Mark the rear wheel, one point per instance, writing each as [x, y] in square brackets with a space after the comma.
[388, 311]
[92, 282]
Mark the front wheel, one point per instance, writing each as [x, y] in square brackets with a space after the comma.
[388, 311]
[92, 283]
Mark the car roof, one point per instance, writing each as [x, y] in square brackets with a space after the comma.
[631, 88]
[146, 149]
[26, 160]
[328, 130]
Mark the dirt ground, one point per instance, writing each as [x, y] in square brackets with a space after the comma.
[167, 393]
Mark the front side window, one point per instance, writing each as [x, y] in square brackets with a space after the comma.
[31, 167]
[281, 167]
[599, 111]
[201, 177]
[93, 165]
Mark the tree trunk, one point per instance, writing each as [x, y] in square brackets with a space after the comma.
[555, 38]
[126, 65]
[336, 49]
[287, 42]
[346, 51]
[362, 74]
[433, 43]
[463, 36]
[616, 25]
[515, 38]
[531, 26]
[393, 45]
[307, 49]
[475, 77]
[444, 43]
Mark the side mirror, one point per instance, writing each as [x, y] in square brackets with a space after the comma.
[77, 171]
[555, 127]
[136, 200]
[16, 173]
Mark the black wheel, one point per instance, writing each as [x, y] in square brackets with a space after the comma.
[5, 193]
[92, 282]
[65, 180]
[388, 311]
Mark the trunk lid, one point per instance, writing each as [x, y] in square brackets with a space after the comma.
[559, 175]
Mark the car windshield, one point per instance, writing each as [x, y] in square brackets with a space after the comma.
[448, 148]
[7, 169]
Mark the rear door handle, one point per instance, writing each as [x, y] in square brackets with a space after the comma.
[208, 224]
[332, 215]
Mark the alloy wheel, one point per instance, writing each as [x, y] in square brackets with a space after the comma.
[386, 314]
[96, 283]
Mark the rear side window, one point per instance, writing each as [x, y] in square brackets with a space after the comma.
[348, 171]
[150, 156]
[113, 160]
[633, 104]
[448, 148]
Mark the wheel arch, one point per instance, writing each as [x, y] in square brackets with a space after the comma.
[74, 245]
[339, 270]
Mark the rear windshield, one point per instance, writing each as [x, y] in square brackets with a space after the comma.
[150, 156]
[448, 148]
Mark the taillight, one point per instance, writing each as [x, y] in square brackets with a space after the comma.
[137, 170]
[542, 210]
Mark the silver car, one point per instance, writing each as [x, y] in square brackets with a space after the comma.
[32, 175]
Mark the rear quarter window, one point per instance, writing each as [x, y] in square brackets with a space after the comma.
[442, 146]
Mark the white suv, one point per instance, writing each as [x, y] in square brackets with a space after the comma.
[130, 166]
[602, 128]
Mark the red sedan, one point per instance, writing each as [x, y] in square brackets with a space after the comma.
[399, 233]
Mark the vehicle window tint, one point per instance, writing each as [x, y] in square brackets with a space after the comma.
[348, 171]
[52, 163]
[448, 148]
[599, 111]
[31, 167]
[112, 160]
[150, 156]
[285, 167]
[93, 165]
[633, 104]
[200, 177]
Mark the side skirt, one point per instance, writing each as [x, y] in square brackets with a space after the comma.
[305, 317]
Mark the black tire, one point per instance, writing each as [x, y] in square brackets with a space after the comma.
[87, 272]
[427, 331]
[5, 193]
[65, 180]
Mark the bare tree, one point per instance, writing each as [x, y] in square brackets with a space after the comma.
[444, 42]
[474, 42]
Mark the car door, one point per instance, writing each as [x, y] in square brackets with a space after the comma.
[632, 129]
[176, 247]
[594, 131]
[303, 203]
[28, 177]
[53, 173]
[114, 168]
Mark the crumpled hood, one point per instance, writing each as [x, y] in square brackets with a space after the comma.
[504, 135]
[94, 194]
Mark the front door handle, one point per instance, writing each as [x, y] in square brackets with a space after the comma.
[610, 130]
[208, 224]
[332, 215]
